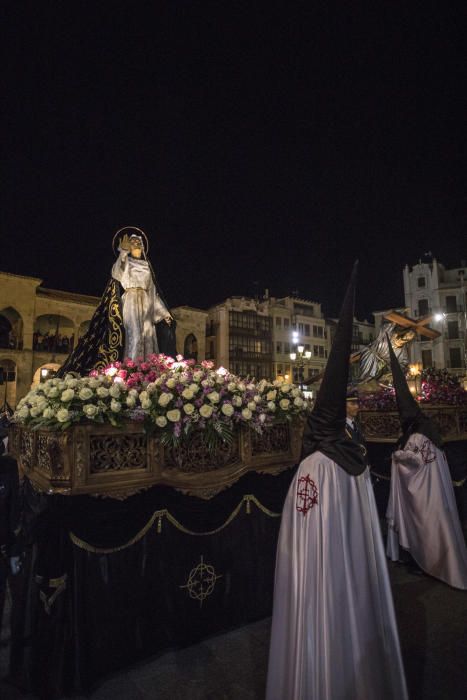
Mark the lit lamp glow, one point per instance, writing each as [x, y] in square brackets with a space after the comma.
[300, 349]
[293, 356]
[44, 373]
[414, 379]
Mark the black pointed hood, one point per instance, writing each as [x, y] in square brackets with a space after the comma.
[325, 430]
[412, 418]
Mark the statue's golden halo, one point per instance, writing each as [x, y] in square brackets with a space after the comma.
[130, 228]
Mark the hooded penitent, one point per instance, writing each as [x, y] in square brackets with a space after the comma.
[412, 418]
[325, 430]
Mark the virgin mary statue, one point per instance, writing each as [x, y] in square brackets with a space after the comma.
[132, 325]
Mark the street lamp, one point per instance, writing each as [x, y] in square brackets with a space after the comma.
[301, 357]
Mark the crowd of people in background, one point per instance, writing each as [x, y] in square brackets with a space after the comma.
[55, 342]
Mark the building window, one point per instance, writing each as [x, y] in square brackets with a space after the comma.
[307, 329]
[453, 330]
[279, 369]
[451, 305]
[300, 328]
[278, 322]
[318, 351]
[287, 348]
[455, 358]
[279, 348]
[422, 307]
[427, 359]
[318, 332]
[286, 322]
[421, 282]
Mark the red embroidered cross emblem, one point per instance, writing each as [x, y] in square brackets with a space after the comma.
[427, 452]
[307, 494]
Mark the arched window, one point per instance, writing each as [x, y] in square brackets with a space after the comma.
[44, 372]
[7, 384]
[190, 348]
[11, 329]
[53, 334]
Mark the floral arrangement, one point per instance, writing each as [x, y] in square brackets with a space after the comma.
[437, 387]
[174, 397]
[440, 387]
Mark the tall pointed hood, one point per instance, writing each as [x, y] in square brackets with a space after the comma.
[325, 430]
[412, 418]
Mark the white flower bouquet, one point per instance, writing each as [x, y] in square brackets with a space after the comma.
[172, 397]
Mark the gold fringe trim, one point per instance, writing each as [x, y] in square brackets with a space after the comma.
[160, 514]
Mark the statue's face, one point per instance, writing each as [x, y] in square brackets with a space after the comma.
[136, 246]
[402, 338]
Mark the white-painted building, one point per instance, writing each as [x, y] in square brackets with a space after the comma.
[430, 288]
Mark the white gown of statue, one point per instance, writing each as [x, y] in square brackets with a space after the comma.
[334, 633]
[142, 306]
[422, 513]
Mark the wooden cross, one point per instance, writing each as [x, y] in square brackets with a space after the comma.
[421, 326]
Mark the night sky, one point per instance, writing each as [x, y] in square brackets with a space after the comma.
[258, 145]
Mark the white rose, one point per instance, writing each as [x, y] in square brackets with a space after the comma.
[102, 392]
[144, 396]
[35, 411]
[237, 401]
[298, 402]
[285, 388]
[257, 398]
[62, 415]
[146, 404]
[93, 382]
[250, 387]
[262, 417]
[271, 395]
[48, 413]
[115, 406]
[241, 386]
[130, 401]
[171, 383]
[133, 392]
[151, 388]
[174, 415]
[206, 411]
[53, 392]
[194, 388]
[71, 382]
[165, 399]
[114, 391]
[295, 392]
[23, 412]
[197, 376]
[214, 397]
[183, 378]
[227, 409]
[67, 395]
[85, 393]
[231, 386]
[246, 413]
[251, 405]
[90, 410]
[161, 421]
[41, 405]
[61, 386]
[188, 408]
[187, 394]
[271, 405]
[284, 404]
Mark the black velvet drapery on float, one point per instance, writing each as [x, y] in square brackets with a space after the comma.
[111, 582]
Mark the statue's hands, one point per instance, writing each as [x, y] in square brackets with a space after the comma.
[125, 243]
[168, 319]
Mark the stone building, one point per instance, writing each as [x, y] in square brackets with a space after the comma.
[252, 337]
[39, 327]
[239, 337]
[431, 288]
